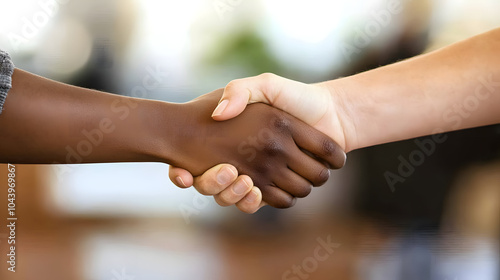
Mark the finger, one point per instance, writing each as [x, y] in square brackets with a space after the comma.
[252, 201]
[276, 197]
[180, 177]
[319, 144]
[291, 96]
[238, 93]
[234, 193]
[293, 184]
[234, 100]
[309, 168]
[216, 179]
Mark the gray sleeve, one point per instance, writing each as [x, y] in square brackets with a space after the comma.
[6, 71]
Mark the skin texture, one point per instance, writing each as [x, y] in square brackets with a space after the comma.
[49, 122]
[453, 88]
[264, 143]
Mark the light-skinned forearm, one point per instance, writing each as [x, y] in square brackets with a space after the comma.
[453, 88]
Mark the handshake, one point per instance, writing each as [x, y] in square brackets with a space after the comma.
[279, 156]
[257, 154]
[214, 138]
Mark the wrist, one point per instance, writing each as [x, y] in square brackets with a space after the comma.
[344, 112]
[156, 130]
[371, 105]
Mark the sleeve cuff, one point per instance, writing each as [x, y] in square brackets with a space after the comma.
[6, 71]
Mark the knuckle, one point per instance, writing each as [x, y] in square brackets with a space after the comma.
[247, 209]
[225, 198]
[203, 190]
[246, 206]
[280, 123]
[266, 77]
[328, 147]
[221, 201]
[232, 85]
[273, 148]
[206, 189]
[262, 171]
[267, 82]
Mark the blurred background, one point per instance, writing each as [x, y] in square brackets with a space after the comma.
[127, 221]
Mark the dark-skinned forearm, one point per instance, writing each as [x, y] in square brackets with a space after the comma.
[49, 122]
[44, 121]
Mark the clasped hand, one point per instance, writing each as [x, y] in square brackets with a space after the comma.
[282, 155]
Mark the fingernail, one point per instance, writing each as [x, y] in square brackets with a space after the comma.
[220, 108]
[180, 181]
[325, 174]
[240, 187]
[225, 176]
[251, 196]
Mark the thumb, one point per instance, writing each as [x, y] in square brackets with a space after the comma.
[180, 177]
[238, 93]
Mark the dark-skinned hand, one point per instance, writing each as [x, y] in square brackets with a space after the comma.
[283, 156]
